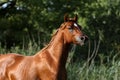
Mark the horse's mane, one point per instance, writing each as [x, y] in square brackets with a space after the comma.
[53, 37]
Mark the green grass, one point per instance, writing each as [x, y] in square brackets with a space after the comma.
[79, 70]
[82, 70]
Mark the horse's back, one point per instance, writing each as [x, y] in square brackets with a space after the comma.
[7, 61]
[8, 58]
[17, 67]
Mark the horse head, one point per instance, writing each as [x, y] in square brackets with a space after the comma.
[73, 31]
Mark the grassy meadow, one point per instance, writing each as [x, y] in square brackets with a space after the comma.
[80, 70]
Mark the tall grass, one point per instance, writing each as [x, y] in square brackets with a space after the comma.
[94, 70]
[82, 70]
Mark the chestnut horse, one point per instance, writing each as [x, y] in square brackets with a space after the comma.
[47, 64]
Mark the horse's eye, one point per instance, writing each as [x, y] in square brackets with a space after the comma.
[70, 29]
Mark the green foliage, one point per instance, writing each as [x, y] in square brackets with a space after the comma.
[26, 31]
[37, 19]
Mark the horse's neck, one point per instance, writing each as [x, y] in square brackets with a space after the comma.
[58, 49]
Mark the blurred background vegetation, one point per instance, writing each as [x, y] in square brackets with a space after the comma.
[26, 26]
[25, 21]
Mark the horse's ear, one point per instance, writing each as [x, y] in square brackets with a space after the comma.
[76, 18]
[66, 17]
